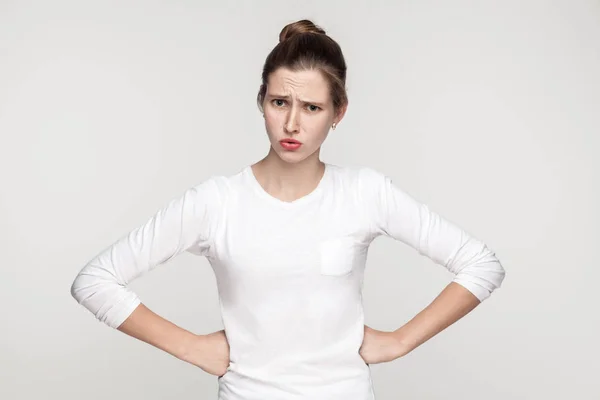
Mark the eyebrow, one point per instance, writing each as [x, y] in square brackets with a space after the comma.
[285, 97]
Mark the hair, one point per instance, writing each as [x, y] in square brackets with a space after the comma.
[305, 46]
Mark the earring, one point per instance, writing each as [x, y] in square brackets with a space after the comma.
[334, 125]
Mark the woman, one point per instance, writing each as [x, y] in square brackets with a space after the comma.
[287, 238]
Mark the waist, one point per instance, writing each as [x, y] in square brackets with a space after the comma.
[336, 379]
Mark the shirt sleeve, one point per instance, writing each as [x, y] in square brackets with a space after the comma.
[397, 214]
[185, 223]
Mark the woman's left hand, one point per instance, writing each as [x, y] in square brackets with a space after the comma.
[379, 346]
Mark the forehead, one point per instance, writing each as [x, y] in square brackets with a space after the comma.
[305, 82]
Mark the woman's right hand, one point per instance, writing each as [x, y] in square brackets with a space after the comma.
[210, 353]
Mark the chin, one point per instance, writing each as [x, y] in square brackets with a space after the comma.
[291, 157]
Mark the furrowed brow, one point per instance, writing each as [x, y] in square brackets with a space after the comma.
[285, 97]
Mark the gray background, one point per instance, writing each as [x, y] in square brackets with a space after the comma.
[486, 110]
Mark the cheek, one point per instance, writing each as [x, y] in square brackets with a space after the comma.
[272, 116]
[273, 125]
[320, 126]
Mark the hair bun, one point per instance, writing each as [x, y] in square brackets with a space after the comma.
[298, 27]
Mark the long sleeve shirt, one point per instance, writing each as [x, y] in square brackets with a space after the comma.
[289, 274]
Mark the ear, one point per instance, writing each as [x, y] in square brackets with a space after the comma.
[340, 114]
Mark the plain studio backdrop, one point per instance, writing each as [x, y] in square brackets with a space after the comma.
[488, 111]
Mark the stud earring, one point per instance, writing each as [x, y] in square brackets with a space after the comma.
[334, 126]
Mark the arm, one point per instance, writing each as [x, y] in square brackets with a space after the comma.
[476, 270]
[209, 352]
[453, 303]
[184, 224]
[145, 325]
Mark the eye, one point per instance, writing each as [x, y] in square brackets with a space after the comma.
[278, 102]
[313, 108]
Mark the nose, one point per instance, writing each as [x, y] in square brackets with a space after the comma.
[291, 123]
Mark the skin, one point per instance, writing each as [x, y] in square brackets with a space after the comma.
[298, 105]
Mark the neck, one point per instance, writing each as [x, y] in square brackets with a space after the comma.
[288, 181]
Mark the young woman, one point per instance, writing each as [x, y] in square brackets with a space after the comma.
[287, 238]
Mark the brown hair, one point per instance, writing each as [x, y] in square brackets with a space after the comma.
[305, 46]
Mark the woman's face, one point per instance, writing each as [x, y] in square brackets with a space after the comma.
[298, 106]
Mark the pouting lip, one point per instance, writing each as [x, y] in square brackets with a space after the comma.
[294, 141]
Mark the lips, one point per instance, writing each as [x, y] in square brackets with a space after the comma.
[290, 144]
[291, 141]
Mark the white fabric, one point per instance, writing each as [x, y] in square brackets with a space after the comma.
[289, 274]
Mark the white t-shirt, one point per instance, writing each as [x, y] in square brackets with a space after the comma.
[289, 274]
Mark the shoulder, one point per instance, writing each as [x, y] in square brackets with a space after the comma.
[360, 185]
[218, 186]
[359, 176]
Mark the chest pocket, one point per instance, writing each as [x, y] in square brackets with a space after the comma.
[337, 256]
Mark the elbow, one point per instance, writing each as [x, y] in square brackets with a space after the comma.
[99, 292]
[87, 282]
[90, 287]
[492, 270]
[73, 289]
[78, 287]
[501, 274]
[482, 277]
